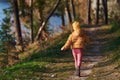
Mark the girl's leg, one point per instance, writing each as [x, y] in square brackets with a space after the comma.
[77, 54]
[75, 57]
[79, 57]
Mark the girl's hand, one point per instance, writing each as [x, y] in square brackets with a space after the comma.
[62, 49]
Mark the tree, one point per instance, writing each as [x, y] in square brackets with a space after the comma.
[22, 7]
[17, 24]
[60, 12]
[97, 12]
[46, 20]
[89, 11]
[31, 20]
[67, 11]
[41, 9]
[104, 2]
[73, 9]
[7, 41]
[62, 19]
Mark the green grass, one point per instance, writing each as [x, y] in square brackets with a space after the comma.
[23, 70]
[38, 64]
[115, 26]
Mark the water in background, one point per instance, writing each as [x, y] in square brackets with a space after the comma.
[3, 5]
[54, 22]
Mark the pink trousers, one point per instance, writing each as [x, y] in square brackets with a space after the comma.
[77, 54]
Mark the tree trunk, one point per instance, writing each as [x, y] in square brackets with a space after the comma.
[31, 20]
[62, 19]
[104, 2]
[41, 36]
[17, 24]
[45, 22]
[67, 11]
[73, 9]
[22, 4]
[97, 12]
[89, 11]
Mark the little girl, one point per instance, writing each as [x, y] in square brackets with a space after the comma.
[77, 40]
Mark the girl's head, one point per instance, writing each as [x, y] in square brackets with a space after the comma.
[76, 25]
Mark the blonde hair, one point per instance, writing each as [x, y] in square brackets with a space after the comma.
[76, 25]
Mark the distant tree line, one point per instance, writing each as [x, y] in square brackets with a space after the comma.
[105, 8]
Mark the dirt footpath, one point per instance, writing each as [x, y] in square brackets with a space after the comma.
[93, 54]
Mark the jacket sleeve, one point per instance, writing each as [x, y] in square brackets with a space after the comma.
[68, 42]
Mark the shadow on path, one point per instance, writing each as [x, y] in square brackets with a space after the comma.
[93, 53]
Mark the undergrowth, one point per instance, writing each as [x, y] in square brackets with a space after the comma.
[113, 45]
[36, 60]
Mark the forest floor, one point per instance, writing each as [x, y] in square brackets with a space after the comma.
[52, 64]
[93, 53]
[108, 66]
[95, 65]
[91, 57]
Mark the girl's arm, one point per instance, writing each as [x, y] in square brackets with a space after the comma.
[68, 43]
